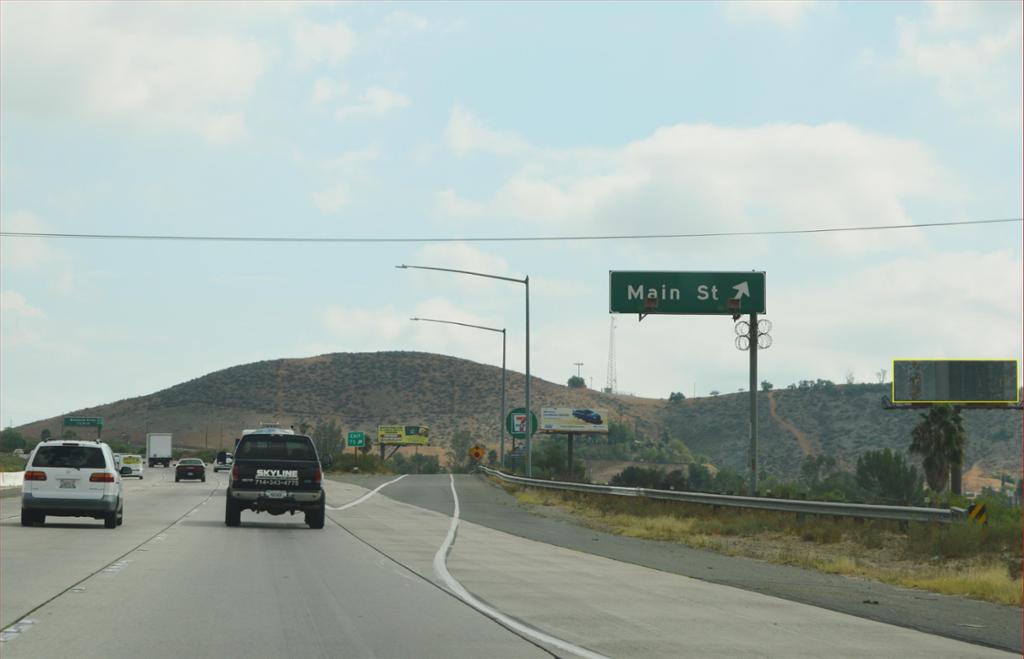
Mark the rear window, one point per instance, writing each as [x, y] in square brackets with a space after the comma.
[74, 457]
[223, 456]
[275, 447]
[190, 461]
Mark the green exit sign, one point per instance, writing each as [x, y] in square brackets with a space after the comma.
[356, 439]
[83, 421]
[689, 293]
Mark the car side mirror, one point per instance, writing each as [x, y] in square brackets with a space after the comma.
[126, 471]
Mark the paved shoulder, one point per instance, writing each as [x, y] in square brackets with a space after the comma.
[488, 505]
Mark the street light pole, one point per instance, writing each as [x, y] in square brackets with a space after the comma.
[526, 282]
[501, 415]
[529, 413]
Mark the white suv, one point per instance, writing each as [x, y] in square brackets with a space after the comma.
[65, 478]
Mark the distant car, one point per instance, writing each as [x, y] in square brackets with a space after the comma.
[134, 464]
[588, 416]
[72, 479]
[190, 468]
[223, 462]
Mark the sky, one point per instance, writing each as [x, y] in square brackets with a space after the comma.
[486, 120]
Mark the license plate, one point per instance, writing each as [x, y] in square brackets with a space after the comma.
[276, 494]
[68, 483]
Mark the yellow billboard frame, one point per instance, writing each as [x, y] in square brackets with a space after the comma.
[1016, 388]
[420, 438]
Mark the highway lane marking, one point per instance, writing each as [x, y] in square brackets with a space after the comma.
[12, 630]
[441, 570]
[365, 496]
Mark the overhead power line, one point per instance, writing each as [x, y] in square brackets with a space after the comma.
[499, 239]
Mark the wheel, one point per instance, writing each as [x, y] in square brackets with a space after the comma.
[27, 517]
[110, 520]
[140, 478]
[203, 479]
[232, 513]
[120, 516]
[315, 518]
[177, 480]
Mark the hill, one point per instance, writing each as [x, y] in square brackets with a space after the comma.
[363, 390]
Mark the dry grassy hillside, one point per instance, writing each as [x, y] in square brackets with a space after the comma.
[363, 390]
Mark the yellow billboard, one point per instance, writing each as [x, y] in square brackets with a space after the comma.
[402, 435]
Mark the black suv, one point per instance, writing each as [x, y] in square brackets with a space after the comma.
[276, 473]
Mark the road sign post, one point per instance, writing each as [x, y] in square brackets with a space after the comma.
[700, 294]
[686, 293]
[83, 422]
[515, 423]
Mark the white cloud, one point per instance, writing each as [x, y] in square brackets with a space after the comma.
[785, 13]
[108, 62]
[333, 198]
[465, 133]
[376, 100]
[972, 51]
[352, 162]
[449, 203]
[321, 43]
[404, 22]
[326, 90]
[15, 304]
[20, 253]
[702, 178]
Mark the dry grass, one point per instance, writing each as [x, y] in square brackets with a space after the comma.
[871, 550]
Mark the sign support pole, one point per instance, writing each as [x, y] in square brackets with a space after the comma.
[753, 404]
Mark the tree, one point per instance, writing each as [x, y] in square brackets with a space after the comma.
[713, 392]
[766, 385]
[11, 439]
[45, 435]
[889, 479]
[817, 467]
[676, 397]
[461, 441]
[940, 438]
[576, 382]
[326, 436]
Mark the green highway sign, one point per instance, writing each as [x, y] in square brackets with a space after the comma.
[83, 421]
[691, 293]
[356, 439]
[515, 422]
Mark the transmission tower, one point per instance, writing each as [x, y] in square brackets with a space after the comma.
[610, 386]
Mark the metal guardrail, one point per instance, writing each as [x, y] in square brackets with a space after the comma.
[858, 510]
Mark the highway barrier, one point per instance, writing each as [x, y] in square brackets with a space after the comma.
[856, 510]
[11, 478]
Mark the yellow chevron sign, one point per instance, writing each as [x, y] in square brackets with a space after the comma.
[977, 513]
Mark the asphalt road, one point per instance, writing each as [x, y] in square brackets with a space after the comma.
[383, 579]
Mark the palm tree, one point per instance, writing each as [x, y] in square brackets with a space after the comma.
[940, 439]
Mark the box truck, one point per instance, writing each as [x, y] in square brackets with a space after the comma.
[158, 449]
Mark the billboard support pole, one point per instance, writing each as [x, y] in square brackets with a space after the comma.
[501, 456]
[572, 436]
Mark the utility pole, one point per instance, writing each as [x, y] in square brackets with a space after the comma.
[579, 369]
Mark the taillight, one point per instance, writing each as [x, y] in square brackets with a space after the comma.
[35, 475]
[317, 475]
[102, 477]
[234, 473]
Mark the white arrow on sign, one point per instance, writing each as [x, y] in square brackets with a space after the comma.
[741, 289]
